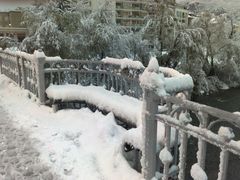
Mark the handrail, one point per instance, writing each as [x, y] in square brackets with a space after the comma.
[196, 107]
[35, 72]
[181, 119]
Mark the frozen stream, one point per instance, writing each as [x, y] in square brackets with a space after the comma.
[18, 158]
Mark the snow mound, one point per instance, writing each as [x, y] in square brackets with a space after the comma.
[165, 156]
[154, 80]
[198, 173]
[125, 107]
[226, 133]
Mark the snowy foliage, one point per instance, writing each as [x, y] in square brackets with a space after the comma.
[206, 49]
[43, 30]
[160, 22]
[72, 30]
[209, 51]
[8, 42]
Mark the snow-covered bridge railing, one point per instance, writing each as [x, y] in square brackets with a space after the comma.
[114, 77]
[180, 123]
[156, 86]
[36, 72]
[20, 67]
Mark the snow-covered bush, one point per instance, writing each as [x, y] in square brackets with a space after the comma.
[7, 42]
[70, 29]
[44, 30]
[47, 37]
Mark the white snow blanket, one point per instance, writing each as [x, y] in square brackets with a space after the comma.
[125, 107]
[76, 144]
[124, 63]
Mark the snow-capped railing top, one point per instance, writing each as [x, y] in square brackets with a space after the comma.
[124, 63]
[35, 72]
[153, 79]
[21, 54]
[177, 121]
[204, 131]
[119, 75]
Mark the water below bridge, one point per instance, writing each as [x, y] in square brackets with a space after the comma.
[228, 100]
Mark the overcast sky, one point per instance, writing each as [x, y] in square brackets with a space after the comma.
[228, 4]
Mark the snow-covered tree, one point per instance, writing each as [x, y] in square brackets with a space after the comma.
[44, 32]
[188, 51]
[216, 35]
[71, 29]
[161, 21]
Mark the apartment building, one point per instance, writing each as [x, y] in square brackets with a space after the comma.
[128, 13]
[131, 13]
[11, 18]
[181, 14]
[10, 24]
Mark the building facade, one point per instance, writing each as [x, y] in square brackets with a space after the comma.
[181, 14]
[131, 13]
[11, 18]
[127, 13]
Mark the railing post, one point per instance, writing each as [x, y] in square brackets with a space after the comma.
[227, 135]
[1, 51]
[0, 65]
[149, 131]
[202, 145]
[19, 72]
[183, 151]
[149, 122]
[40, 61]
[23, 72]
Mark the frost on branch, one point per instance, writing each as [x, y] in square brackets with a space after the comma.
[198, 173]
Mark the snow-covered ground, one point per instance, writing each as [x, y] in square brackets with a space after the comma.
[19, 160]
[76, 144]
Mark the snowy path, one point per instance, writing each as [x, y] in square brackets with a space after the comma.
[75, 144]
[18, 159]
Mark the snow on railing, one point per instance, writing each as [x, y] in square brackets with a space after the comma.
[155, 87]
[178, 118]
[124, 63]
[35, 72]
[20, 67]
[25, 70]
